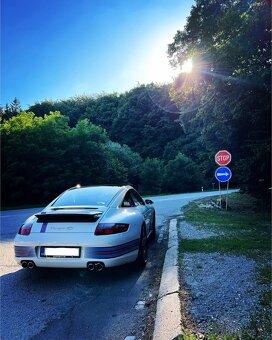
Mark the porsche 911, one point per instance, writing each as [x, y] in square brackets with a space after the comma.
[88, 227]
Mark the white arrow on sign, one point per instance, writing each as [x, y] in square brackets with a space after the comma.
[222, 174]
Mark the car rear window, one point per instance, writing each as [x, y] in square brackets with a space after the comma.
[95, 196]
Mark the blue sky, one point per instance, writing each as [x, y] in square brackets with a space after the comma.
[55, 49]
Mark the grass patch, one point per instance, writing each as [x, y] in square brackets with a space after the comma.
[244, 229]
[241, 208]
[265, 275]
[224, 337]
[266, 299]
[245, 226]
[189, 336]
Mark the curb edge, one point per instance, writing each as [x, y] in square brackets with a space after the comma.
[168, 314]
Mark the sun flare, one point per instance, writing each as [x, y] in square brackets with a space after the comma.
[187, 66]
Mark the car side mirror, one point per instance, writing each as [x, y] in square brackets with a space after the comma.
[149, 201]
[126, 204]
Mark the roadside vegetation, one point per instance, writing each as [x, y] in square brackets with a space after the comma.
[44, 156]
[245, 226]
[243, 229]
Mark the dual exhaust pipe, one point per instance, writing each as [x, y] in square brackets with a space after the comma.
[98, 266]
[28, 264]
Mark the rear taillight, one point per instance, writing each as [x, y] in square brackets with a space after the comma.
[25, 229]
[111, 228]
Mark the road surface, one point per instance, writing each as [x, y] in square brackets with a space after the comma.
[78, 304]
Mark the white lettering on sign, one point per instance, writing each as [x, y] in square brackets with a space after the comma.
[223, 158]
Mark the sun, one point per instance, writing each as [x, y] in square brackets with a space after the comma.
[157, 68]
[187, 66]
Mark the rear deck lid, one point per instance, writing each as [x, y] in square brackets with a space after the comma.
[68, 220]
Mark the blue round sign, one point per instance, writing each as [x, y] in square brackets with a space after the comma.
[223, 174]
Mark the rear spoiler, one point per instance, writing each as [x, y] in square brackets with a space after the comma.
[68, 216]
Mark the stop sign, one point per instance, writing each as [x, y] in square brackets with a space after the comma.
[223, 157]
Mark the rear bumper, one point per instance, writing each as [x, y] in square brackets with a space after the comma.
[110, 256]
[78, 262]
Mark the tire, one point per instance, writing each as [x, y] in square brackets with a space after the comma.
[142, 255]
[153, 232]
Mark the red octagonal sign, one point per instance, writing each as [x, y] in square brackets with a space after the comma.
[223, 157]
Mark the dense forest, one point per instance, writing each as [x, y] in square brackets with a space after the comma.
[159, 138]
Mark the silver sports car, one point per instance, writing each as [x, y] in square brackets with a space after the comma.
[88, 227]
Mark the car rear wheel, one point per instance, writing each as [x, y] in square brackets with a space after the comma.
[153, 232]
[142, 255]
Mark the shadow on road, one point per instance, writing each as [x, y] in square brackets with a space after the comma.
[79, 276]
[80, 304]
[31, 298]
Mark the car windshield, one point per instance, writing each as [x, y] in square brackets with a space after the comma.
[92, 196]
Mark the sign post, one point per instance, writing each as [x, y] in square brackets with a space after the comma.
[227, 195]
[223, 173]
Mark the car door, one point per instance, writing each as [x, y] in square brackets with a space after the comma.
[146, 212]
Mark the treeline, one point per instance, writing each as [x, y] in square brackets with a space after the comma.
[42, 156]
[160, 139]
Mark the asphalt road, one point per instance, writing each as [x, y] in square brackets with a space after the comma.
[78, 304]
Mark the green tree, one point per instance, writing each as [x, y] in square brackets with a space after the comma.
[31, 148]
[146, 120]
[182, 175]
[11, 109]
[129, 160]
[44, 156]
[151, 176]
[73, 107]
[103, 110]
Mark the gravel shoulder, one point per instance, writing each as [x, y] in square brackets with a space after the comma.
[219, 293]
